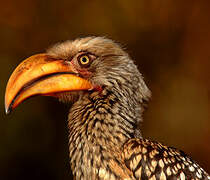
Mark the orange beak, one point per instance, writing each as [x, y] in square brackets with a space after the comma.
[41, 75]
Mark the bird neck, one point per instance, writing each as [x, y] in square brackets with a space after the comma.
[99, 124]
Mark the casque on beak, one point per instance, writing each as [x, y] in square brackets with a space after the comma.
[42, 75]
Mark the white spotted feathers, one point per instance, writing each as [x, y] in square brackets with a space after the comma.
[152, 160]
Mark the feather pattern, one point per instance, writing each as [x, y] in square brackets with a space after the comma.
[152, 160]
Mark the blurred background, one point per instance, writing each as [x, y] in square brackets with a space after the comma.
[170, 42]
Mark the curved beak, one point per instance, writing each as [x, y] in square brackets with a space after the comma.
[42, 75]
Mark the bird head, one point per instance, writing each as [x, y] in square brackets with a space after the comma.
[73, 68]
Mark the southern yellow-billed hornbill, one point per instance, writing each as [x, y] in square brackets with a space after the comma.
[109, 96]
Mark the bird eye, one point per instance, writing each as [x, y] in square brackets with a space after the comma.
[84, 60]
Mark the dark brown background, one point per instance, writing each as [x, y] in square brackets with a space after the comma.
[170, 42]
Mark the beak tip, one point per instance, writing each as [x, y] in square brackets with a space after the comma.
[8, 110]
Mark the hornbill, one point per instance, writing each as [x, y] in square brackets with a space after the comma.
[108, 96]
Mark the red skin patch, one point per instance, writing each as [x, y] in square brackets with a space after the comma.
[86, 74]
[98, 88]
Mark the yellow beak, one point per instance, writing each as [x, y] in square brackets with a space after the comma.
[41, 75]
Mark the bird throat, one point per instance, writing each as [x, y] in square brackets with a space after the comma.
[99, 124]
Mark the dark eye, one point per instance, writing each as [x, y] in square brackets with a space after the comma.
[84, 60]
